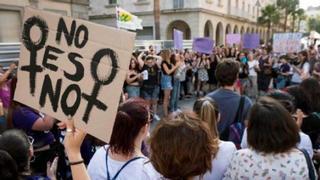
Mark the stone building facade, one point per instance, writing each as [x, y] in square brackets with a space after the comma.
[11, 13]
[196, 18]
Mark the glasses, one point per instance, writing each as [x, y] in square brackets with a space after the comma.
[31, 140]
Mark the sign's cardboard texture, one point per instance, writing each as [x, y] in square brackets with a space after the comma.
[287, 42]
[76, 67]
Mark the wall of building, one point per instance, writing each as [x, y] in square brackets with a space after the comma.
[11, 12]
[192, 18]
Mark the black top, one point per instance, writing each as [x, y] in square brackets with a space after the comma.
[244, 70]
[168, 65]
[212, 70]
[153, 76]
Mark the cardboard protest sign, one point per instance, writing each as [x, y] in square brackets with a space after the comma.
[178, 39]
[233, 39]
[203, 45]
[73, 68]
[250, 41]
[287, 42]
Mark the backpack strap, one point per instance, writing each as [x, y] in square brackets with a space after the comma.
[309, 163]
[122, 167]
[240, 110]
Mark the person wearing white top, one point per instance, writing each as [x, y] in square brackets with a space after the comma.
[272, 153]
[302, 71]
[122, 158]
[222, 160]
[208, 112]
[288, 102]
[253, 67]
[305, 142]
[138, 169]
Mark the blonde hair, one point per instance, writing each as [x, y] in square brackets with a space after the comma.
[165, 54]
[208, 111]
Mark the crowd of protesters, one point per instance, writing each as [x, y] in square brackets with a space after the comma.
[256, 115]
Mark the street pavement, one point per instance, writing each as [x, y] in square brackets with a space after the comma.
[183, 105]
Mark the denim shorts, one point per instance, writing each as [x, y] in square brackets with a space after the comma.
[166, 82]
[133, 91]
[150, 93]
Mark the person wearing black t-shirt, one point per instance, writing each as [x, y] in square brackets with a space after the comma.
[150, 87]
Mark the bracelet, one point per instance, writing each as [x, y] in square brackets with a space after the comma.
[76, 162]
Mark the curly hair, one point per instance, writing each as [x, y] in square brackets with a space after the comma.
[182, 147]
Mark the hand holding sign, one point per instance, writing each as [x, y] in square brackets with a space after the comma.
[71, 72]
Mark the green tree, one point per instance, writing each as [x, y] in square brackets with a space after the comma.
[269, 16]
[314, 24]
[300, 15]
[288, 6]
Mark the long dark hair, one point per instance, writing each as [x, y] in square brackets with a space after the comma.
[306, 57]
[311, 88]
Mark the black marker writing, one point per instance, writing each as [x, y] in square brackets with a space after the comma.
[74, 33]
[92, 99]
[70, 110]
[47, 89]
[33, 47]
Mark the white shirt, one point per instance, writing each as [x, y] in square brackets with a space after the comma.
[305, 142]
[252, 64]
[140, 169]
[250, 164]
[296, 78]
[222, 160]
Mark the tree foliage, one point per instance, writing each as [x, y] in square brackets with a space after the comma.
[314, 24]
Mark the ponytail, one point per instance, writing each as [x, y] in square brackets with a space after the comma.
[207, 110]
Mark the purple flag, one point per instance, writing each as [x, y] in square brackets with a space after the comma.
[250, 41]
[203, 45]
[178, 39]
[232, 39]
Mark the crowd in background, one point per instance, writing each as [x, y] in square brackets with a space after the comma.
[256, 115]
[172, 75]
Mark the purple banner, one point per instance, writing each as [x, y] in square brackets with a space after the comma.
[232, 39]
[203, 45]
[250, 41]
[178, 39]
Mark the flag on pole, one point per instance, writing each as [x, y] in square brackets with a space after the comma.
[126, 20]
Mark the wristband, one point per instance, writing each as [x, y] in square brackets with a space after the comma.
[75, 163]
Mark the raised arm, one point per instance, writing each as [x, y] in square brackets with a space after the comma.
[170, 71]
[140, 61]
[5, 76]
[72, 142]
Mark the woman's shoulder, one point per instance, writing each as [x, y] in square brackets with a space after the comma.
[243, 153]
[227, 145]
